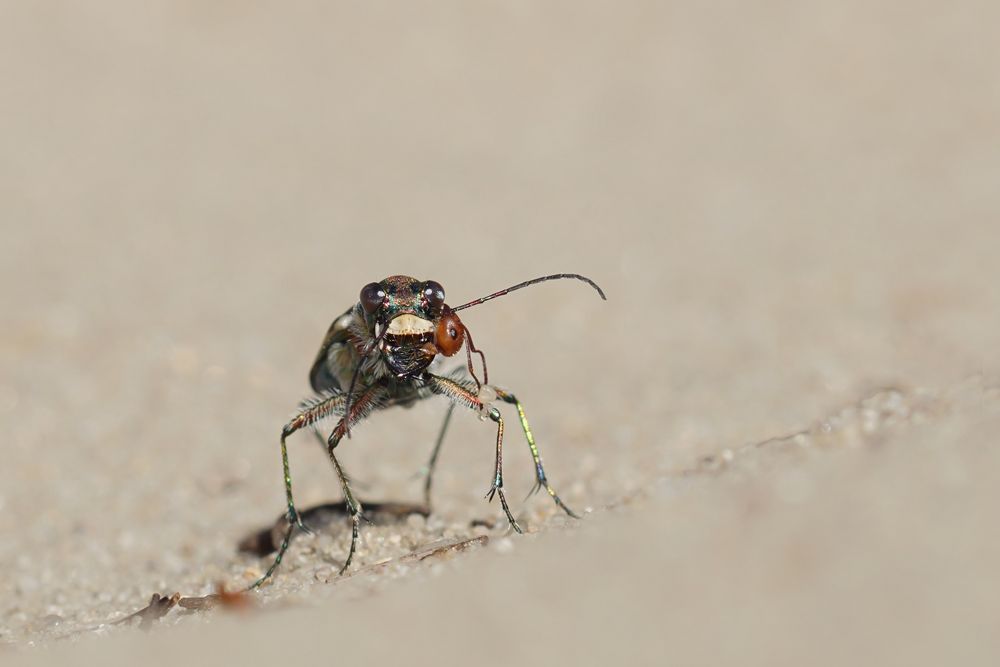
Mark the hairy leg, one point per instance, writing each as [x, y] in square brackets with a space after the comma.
[360, 407]
[309, 413]
[460, 394]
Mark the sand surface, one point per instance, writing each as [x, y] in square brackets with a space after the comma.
[781, 425]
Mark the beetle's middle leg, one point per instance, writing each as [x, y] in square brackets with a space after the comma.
[432, 463]
[460, 394]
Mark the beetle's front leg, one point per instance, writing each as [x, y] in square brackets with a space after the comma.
[461, 395]
[363, 404]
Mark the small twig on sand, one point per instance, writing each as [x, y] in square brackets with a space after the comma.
[157, 608]
[236, 600]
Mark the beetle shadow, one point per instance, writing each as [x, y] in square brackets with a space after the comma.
[267, 540]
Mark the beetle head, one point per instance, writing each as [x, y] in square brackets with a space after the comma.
[405, 305]
[409, 318]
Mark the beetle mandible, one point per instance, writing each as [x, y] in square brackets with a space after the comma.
[376, 355]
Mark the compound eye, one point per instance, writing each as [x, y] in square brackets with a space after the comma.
[372, 297]
[433, 294]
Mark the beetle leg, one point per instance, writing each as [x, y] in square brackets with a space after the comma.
[353, 506]
[309, 414]
[322, 440]
[541, 481]
[429, 468]
[361, 406]
[459, 394]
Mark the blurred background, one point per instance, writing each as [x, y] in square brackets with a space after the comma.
[791, 206]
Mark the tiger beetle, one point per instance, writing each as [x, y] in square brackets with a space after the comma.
[380, 351]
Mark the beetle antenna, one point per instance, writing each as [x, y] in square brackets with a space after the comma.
[555, 276]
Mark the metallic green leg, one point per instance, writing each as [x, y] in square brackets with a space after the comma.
[277, 560]
[353, 506]
[541, 481]
[310, 413]
[367, 401]
[293, 516]
[497, 487]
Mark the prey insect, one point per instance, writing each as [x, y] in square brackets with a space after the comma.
[377, 355]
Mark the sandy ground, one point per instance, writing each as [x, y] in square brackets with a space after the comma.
[782, 423]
